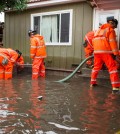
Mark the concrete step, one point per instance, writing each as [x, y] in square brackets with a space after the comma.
[86, 72]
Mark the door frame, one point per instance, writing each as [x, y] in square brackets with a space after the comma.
[96, 20]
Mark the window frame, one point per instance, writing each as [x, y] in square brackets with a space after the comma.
[53, 13]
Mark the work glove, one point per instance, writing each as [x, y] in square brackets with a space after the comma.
[5, 61]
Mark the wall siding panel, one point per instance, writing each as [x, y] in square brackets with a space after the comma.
[17, 25]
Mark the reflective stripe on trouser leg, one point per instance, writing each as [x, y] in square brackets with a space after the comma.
[94, 76]
[114, 78]
[97, 66]
[42, 69]
[112, 68]
[36, 66]
[8, 70]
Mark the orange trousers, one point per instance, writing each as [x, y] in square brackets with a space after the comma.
[110, 63]
[6, 71]
[88, 52]
[38, 68]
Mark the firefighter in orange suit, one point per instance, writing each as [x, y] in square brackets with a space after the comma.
[105, 47]
[19, 62]
[88, 48]
[16, 58]
[37, 54]
[7, 59]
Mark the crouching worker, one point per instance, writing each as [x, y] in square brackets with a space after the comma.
[37, 54]
[88, 48]
[8, 57]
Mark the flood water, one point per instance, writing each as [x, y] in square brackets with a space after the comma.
[65, 108]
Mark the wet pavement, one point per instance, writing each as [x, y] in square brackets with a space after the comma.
[46, 107]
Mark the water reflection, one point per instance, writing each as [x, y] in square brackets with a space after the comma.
[101, 109]
[37, 106]
[20, 110]
[65, 108]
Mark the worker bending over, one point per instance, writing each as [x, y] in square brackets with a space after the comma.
[8, 57]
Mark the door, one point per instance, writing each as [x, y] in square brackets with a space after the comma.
[100, 17]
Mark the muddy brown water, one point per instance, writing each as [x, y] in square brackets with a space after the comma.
[65, 108]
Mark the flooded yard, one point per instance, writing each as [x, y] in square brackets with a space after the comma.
[65, 108]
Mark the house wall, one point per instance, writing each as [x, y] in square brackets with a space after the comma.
[17, 25]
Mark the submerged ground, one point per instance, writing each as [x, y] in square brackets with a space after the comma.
[65, 108]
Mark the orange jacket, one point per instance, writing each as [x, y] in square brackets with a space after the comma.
[38, 48]
[2, 58]
[104, 40]
[88, 37]
[11, 55]
[20, 62]
[14, 57]
[5, 53]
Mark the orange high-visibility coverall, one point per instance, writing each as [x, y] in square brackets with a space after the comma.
[6, 70]
[37, 53]
[16, 60]
[89, 47]
[19, 63]
[104, 44]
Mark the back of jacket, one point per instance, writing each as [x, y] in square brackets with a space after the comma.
[4, 52]
[104, 40]
[13, 55]
[38, 48]
[3, 55]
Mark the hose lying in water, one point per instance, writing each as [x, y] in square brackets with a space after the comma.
[73, 73]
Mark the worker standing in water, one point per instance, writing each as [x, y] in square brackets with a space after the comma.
[37, 54]
[105, 47]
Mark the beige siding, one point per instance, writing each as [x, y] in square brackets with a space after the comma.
[17, 25]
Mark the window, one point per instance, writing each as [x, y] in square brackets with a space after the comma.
[54, 26]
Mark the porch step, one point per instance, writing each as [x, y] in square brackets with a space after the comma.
[86, 72]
